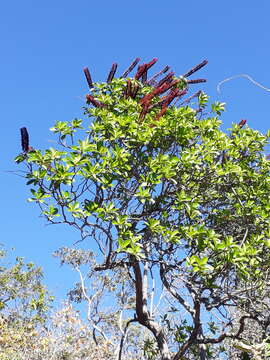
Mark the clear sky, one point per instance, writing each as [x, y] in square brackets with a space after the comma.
[45, 45]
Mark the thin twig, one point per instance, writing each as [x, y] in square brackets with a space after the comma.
[244, 238]
[90, 300]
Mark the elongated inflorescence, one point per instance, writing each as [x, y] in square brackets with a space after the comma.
[195, 68]
[242, 123]
[130, 68]
[112, 73]
[154, 77]
[186, 101]
[88, 77]
[24, 139]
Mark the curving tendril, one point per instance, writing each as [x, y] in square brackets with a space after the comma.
[244, 76]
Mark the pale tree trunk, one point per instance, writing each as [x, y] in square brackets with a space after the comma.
[142, 312]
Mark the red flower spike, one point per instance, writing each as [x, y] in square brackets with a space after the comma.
[162, 112]
[88, 77]
[144, 77]
[242, 123]
[169, 98]
[112, 73]
[144, 112]
[182, 93]
[90, 99]
[147, 98]
[196, 81]
[140, 71]
[176, 93]
[196, 68]
[145, 108]
[167, 78]
[154, 77]
[151, 63]
[128, 90]
[164, 100]
[158, 91]
[166, 86]
[130, 68]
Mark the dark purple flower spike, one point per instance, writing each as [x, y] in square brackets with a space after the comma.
[195, 68]
[88, 77]
[112, 73]
[196, 81]
[167, 79]
[130, 68]
[191, 97]
[24, 139]
[154, 77]
[242, 123]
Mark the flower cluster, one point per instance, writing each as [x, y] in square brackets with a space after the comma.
[169, 87]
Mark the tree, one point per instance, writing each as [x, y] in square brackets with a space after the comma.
[24, 304]
[168, 198]
[30, 329]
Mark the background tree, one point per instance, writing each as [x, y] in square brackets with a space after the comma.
[31, 329]
[169, 199]
[24, 304]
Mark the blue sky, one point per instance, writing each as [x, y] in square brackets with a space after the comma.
[45, 45]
